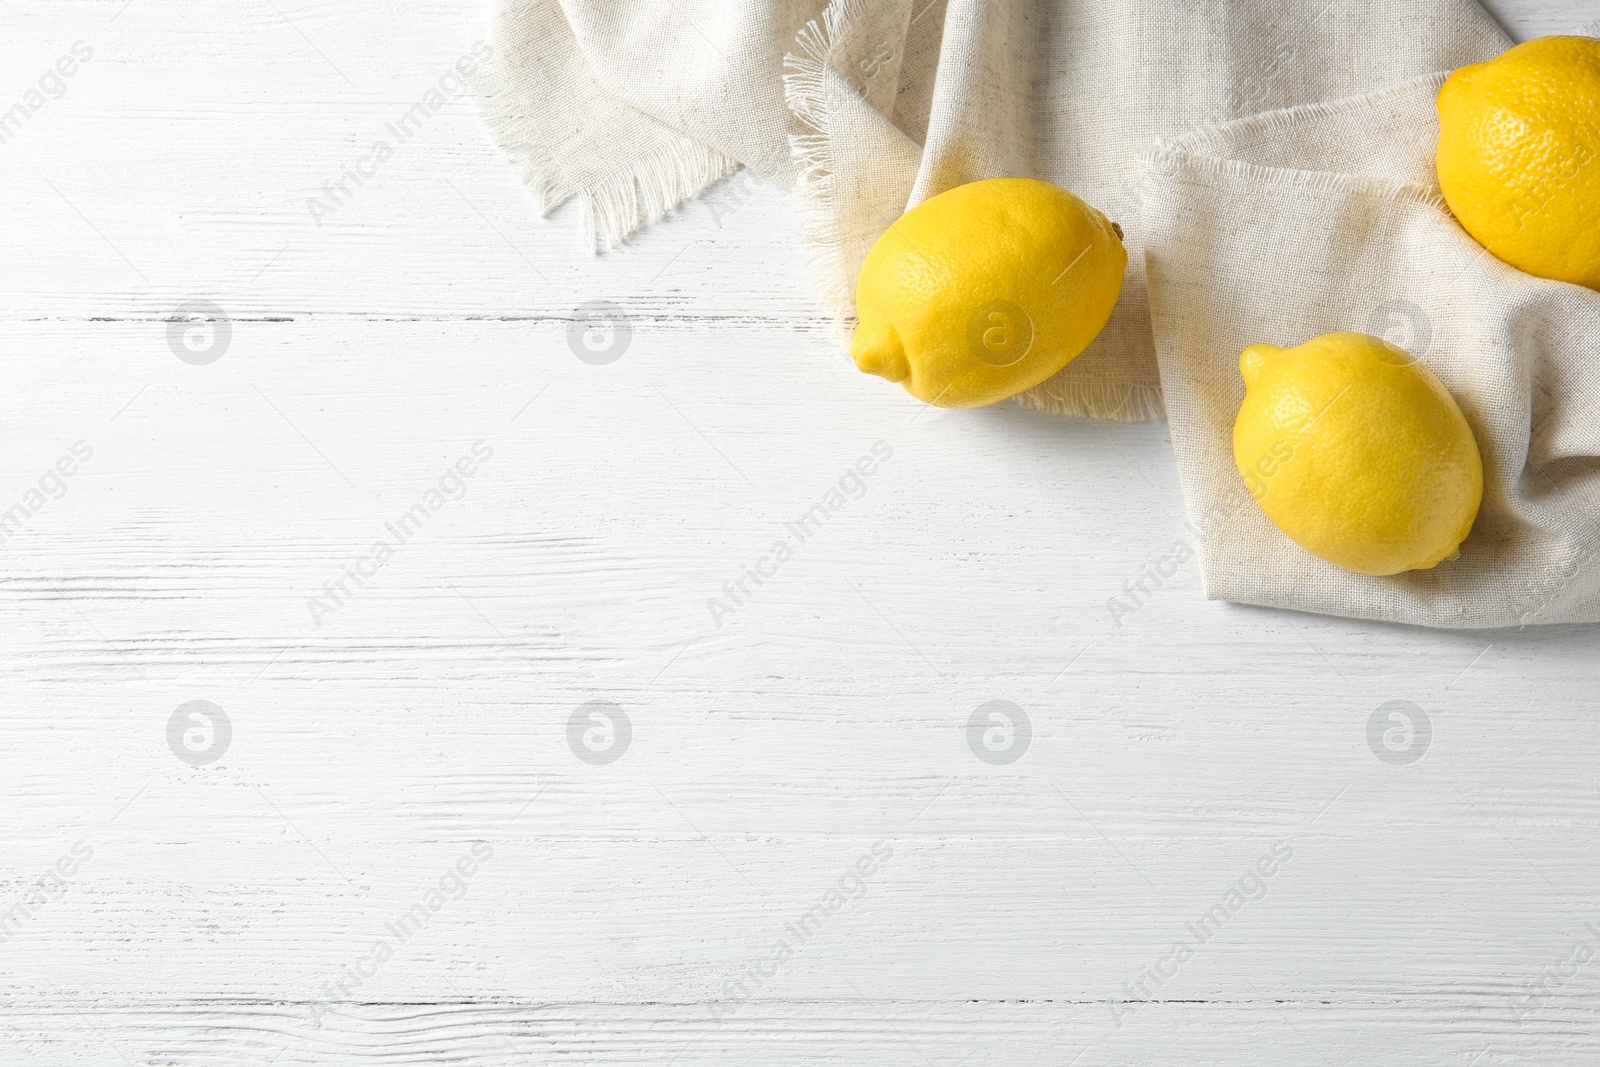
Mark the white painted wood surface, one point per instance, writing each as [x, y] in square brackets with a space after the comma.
[229, 913]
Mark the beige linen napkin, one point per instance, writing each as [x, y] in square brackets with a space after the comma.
[1328, 217]
[868, 107]
[633, 105]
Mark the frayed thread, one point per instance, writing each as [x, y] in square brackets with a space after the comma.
[1206, 141]
[805, 91]
[518, 136]
[621, 204]
[614, 207]
[1099, 401]
[1167, 163]
[1200, 151]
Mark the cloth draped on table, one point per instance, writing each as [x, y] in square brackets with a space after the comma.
[1270, 165]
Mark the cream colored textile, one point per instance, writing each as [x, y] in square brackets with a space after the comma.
[1302, 220]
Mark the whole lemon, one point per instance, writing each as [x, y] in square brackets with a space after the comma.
[1519, 156]
[1357, 452]
[986, 290]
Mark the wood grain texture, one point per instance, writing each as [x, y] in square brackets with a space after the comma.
[700, 899]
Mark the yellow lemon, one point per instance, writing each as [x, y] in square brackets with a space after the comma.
[986, 290]
[1519, 156]
[1357, 452]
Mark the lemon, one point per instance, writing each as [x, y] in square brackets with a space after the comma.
[986, 290]
[1357, 452]
[1519, 156]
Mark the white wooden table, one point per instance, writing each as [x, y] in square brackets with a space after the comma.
[381, 839]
